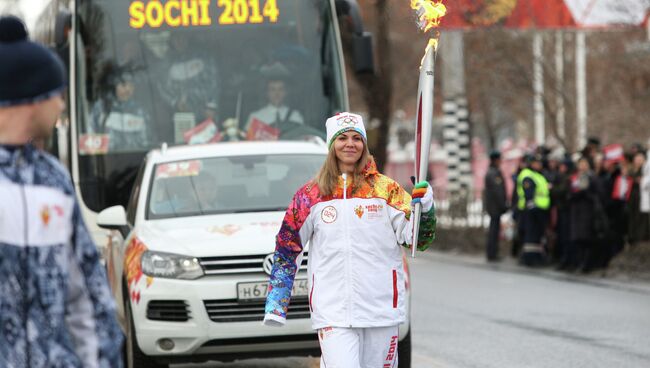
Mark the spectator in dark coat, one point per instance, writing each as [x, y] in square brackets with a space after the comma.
[639, 223]
[516, 213]
[583, 195]
[494, 198]
[560, 191]
[600, 248]
[616, 208]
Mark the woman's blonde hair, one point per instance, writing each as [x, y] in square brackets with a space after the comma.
[328, 176]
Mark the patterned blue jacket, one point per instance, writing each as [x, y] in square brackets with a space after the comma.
[56, 308]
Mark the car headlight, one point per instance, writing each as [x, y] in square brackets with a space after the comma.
[171, 266]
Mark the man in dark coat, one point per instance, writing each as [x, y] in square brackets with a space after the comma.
[494, 199]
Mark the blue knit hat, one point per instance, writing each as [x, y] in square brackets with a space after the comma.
[29, 72]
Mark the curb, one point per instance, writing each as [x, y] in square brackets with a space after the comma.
[510, 265]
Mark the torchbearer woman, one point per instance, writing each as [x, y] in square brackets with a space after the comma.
[355, 220]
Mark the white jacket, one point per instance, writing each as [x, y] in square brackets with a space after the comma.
[356, 272]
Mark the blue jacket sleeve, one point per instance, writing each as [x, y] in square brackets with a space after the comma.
[107, 332]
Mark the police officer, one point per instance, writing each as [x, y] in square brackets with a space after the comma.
[494, 198]
[56, 309]
[533, 203]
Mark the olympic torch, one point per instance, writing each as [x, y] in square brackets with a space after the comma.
[429, 14]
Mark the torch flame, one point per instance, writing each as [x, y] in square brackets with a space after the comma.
[429, 13]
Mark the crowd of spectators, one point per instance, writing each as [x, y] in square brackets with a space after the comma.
[599, 204]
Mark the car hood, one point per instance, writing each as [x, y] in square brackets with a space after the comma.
[217, 235]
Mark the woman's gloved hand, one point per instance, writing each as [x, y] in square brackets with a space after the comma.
[423, 194]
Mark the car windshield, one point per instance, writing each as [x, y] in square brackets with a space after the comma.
[228, 184]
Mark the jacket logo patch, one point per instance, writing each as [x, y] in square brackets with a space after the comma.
[359, 211]
[45, 215]
[328, 215]
[375, 211]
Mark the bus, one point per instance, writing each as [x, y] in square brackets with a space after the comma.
[180, 72]
[186, 71]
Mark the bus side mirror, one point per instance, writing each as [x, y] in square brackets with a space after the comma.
[362, 48]
[362, 56]
[113, 218]
[62, 29]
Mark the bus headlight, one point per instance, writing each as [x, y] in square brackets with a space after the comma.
[171, 266]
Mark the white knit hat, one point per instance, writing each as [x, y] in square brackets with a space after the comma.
[343, 122]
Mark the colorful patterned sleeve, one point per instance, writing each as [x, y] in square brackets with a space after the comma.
[289, 245]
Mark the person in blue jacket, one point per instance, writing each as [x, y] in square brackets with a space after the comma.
[56, 308]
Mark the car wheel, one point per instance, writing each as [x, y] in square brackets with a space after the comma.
[404, 352]
[134, 357]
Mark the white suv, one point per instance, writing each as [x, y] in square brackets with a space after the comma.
[190, 258]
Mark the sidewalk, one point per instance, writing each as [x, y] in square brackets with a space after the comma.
[508, 264]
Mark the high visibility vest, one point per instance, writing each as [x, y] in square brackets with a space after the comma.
[542, 198]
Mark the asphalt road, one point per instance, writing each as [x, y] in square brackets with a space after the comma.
[470, 314]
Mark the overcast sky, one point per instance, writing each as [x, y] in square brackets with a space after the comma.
[26, 9]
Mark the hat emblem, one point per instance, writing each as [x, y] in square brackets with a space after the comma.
[347, 121]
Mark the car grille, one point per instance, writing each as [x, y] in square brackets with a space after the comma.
[231, 310]
[168, 310]
[238, 264]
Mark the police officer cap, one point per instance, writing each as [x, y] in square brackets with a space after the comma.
[29, 72]
[529, 158]
[495, 155]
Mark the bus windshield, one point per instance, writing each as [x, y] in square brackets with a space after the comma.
[196, 71]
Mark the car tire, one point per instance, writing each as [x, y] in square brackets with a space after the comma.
[404, 352]
[133, 356]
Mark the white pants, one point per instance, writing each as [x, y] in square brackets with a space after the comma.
[374, 347]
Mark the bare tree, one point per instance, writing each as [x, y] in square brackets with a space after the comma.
[377, 88]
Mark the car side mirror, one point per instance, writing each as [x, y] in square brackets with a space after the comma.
[112, 218]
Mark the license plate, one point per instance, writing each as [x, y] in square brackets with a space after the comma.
[259, 290]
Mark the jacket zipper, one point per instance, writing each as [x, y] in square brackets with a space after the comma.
[25, 258]
[347, 250]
